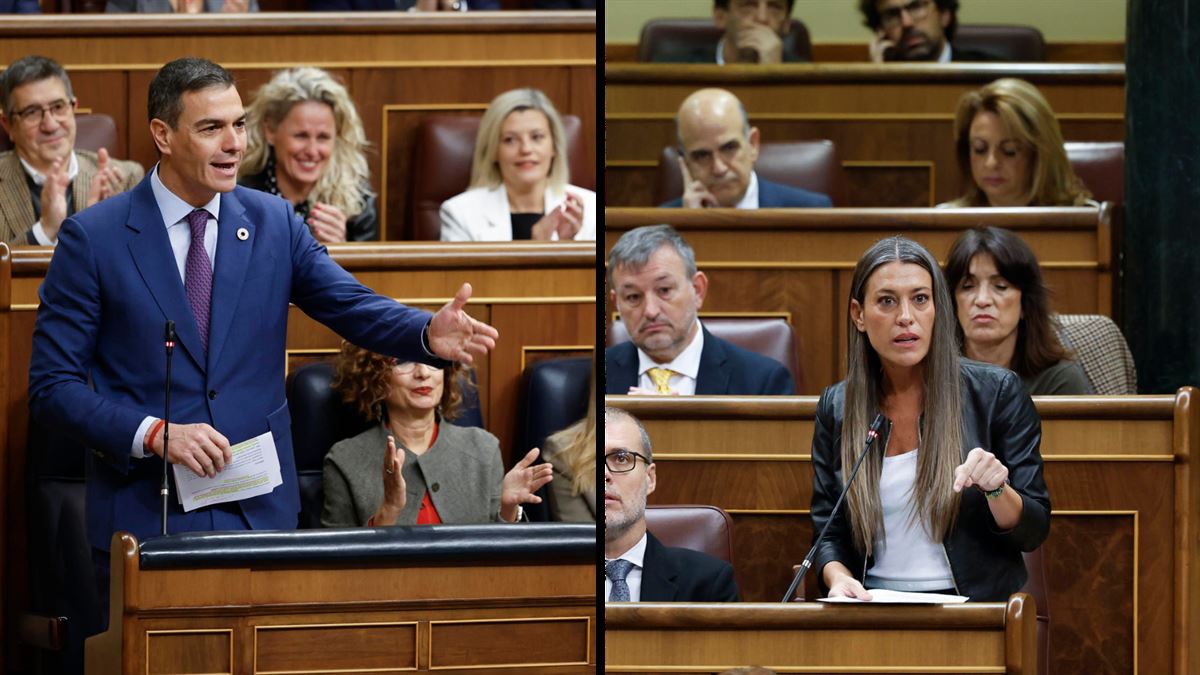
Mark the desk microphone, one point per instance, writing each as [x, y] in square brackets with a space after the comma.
[169, 343]
[872, 434]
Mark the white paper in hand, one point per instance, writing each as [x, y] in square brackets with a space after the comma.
[254, 471]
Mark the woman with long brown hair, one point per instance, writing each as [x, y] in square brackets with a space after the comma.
[951, 492]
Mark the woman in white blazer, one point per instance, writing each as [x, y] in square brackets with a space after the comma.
[519, 183]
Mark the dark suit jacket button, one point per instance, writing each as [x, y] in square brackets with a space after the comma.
[435, 487]
[212, 395]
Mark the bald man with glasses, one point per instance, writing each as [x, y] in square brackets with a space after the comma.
[637, 567]
[44, 179]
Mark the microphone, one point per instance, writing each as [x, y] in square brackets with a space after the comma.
[169, 343]
[872, 434]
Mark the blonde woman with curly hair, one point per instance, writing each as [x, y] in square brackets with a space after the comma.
[305, 143]
[1010, 150]
[572, 453]
[416, 467]
[519, 179]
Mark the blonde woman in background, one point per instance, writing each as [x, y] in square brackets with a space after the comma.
[305, 143]
[519, 179]
[572, 454]
[1008, 142]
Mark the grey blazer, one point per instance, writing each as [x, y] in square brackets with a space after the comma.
[564, 506]
[159, 6]
[462, 472]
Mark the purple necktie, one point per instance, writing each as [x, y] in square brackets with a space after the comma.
[198, 273]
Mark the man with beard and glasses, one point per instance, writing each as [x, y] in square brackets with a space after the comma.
[637, 567]
[654, 284]
[915, 30]
[718, 148]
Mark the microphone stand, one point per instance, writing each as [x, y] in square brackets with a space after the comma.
[872, 434]
[169, 343]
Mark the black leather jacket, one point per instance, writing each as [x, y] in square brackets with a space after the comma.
[997, 416]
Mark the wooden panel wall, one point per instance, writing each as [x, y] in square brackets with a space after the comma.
[893, 126]
[798, 263]
[397, 67]
[856, 52]
[1121, 542]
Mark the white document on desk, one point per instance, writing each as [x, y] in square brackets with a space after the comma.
[884, 596]
[254, 471]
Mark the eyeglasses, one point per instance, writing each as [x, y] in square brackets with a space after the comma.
[917, 10]
[623, 461]
[34, 114]
[406, 367]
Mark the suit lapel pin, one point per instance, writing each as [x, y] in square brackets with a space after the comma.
[243, 234]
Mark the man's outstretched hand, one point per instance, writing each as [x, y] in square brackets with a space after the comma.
[455, 336]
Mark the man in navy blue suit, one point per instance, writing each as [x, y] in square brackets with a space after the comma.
[718, 148]
[20, 7]
[658, 291]
[223, 262]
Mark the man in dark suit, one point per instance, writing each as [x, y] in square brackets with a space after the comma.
[223, 262]
[915, 30]
[718, 148]
[752, 31]
[637, 567]
[654, 284]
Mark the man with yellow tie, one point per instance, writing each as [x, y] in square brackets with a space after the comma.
[656, 288]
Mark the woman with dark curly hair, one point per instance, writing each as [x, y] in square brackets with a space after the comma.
[415, 467]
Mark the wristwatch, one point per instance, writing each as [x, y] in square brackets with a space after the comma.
[992, 494]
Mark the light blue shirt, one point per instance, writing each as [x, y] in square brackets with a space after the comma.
[174, 216]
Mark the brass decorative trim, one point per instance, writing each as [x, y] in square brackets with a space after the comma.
[847, 117]
[497, 300]
[587, 642]
[287, 354]
[277, 65]
[778, 457]
[859, 669]
[181, 631]
[552, 348]
[416, 646]
[768, 512]
[726, 456]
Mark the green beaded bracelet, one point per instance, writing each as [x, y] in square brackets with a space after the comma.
[992, 494]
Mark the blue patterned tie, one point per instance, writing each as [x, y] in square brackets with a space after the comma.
[198, 274]
[616, 571]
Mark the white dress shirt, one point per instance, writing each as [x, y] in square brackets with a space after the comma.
[174, 214]
[750, 199]
[944, 57]
[39, 179]
[686, 367]
[636, 554]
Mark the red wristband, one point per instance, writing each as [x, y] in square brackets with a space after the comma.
[153, 434]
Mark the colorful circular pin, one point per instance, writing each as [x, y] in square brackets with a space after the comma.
[243, 234]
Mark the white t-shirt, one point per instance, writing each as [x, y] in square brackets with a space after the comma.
[906, 558]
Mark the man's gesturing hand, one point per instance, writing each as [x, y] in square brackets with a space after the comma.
[199, 447]
[455, 336]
